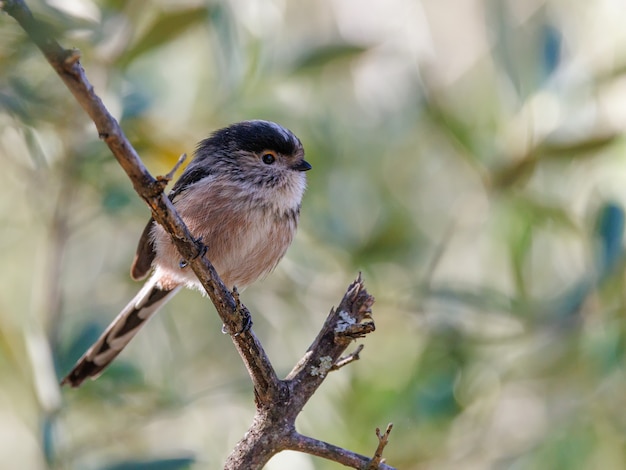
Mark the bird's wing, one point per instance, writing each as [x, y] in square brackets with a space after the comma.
[144, 255]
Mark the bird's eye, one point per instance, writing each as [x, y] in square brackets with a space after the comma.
[268, 158]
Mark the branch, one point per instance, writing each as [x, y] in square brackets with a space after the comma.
[328, 451]
[278, 402]
[383, 440]
[350, 320]
[350, 358]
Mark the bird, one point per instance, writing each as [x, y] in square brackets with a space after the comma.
[240, 196]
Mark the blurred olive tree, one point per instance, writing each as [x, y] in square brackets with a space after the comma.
[468, 158]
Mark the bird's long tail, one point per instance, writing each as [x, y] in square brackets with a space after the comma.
[119, 333]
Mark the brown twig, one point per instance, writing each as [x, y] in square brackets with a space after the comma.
[165, 179]
[345, 360]
[328, 451]
[383, 440]
[278, 402]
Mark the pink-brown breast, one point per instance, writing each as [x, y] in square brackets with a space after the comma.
[245, 236]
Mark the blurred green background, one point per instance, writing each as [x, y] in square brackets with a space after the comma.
[468, 157]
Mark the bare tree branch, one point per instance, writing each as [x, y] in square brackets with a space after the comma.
[278, 402]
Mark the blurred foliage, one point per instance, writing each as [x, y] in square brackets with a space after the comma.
[468, 157]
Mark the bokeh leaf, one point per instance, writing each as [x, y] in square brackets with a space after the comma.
[323, 55]
[551, 42]
[164, 29]
[609, 231]
[575, 149]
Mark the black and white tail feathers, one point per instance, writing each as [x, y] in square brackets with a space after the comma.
[119, 333]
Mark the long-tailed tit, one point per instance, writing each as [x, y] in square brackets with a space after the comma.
[241, 197]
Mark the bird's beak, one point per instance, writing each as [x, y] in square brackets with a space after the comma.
[302, 165]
